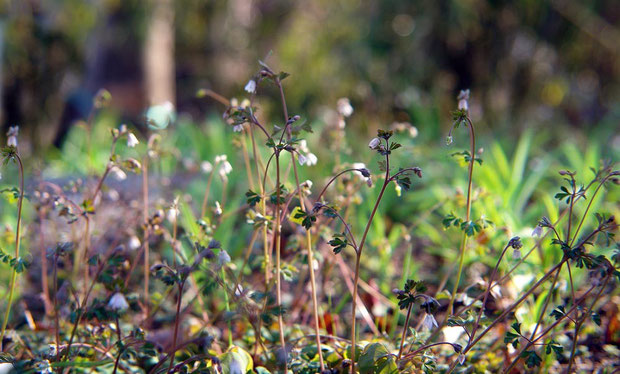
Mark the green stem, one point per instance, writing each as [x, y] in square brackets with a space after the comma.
[359, 257]
[17, 244]
[472, 141]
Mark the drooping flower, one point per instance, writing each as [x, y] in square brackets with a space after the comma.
[463, 99]
[224, 169]
[132, 141]
[223, 258]
[118, 302]
[537, 231]
[158, 117]
[374, 143]
[206, 167]
[133, 243]
[238, 128]
[461, 359]
[218, 209]
[250, 86]
[118, 173]
[430, 322]
[11, 140]
[302, 159]
[344, 107]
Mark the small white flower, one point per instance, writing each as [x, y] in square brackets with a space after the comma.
[118, 302]
[302, 159]
[223, 258]
[516, 254]
[250, 86]
[461, 359]
[245, 103]
[238, 128]
[133, 243]
[11, 140]
[358, 165]
[312, 159]
[537, 231]
[220, 158]
[218, 209]
[224, 169]
[430, 322]
[303, 146]
[160, 116]
[122, 128]
[344, 107]
[449, 140]
[307, 184]
[234, 102]
[172, 214]
[463, 99]
[118, 173]
[369, 182]
[132, 141]
[374, 143]
[206, 167]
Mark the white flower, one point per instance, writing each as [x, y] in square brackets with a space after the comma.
[132, 141]
[160, 116]
[369, 182]
[344, 107]
[206, 167]
[516, 254]
[250, 86]
[374, 143]
[223, 258]
[307, 184]
[312, 159]
[6, 368]
[463, 100]
[238, 128]
[537, 231]
[172, 214]
[461, 359]
[122, 128]
[220, 158]
[303, 146]
[134, 243]
[224, 169]
[302, 159]
[118, 173]
[118, 302]
[11, 140]
[449, 140]
[245, 103]
[430, 322]
[218, 209]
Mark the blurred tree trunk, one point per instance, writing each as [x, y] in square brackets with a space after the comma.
[159, 66]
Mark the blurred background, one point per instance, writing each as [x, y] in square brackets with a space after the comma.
[548, 65]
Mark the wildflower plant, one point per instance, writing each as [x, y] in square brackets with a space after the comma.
[239, 272]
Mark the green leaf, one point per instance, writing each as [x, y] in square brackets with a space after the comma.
[532, 359]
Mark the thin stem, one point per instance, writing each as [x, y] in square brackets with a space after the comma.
[278, 244]
[145, 216]
[17, 244]
[547, 300]
[176, 326]
[472, 140]
[263, 206]
[358, 260]
[315, 303]
[404, 335]
[487, 292]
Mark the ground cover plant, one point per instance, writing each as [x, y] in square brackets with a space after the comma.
[180, 252]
